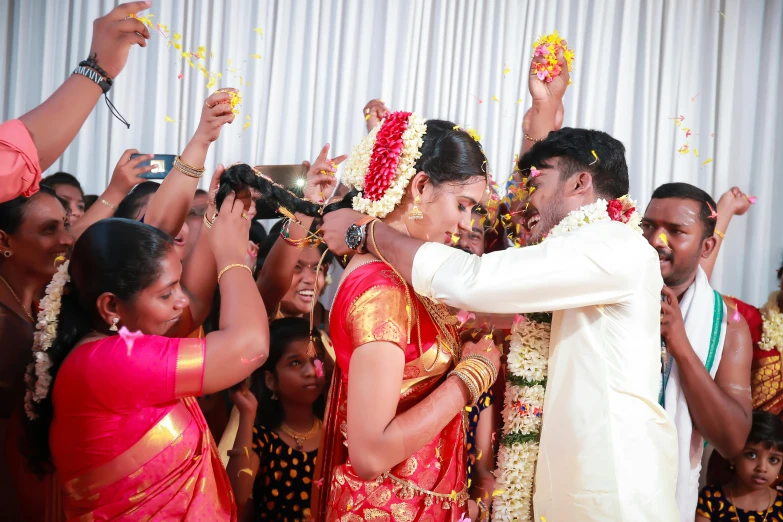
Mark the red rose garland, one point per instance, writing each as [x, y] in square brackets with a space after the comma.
[385, 155]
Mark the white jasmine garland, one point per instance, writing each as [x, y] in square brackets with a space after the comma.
[38, 377]
[772, 324]
[527, 364]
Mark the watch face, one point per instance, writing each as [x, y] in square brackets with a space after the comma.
[353, 237]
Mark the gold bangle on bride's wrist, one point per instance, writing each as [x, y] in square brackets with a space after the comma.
[233, 265]
[188, 170]
[472, 387]
[486, 361]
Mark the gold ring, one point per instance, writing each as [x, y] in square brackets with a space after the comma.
[366, 111]
[208, 105]
[244, 215]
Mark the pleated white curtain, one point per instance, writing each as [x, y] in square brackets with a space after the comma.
[638, 64]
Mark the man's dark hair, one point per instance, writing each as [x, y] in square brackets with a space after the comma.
[62, 178]
[575, 149]
[688, 191]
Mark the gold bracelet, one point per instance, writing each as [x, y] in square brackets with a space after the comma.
[107, 203]
[207, 222]
[188, 170]
[472, 388]
[486, 361]
[720, 234]
[480, 372]
[234, 265]
[479, 379]
[530, 138]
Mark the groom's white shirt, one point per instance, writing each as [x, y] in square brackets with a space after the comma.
[608, 451]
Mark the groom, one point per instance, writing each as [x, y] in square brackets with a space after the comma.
[607, 451]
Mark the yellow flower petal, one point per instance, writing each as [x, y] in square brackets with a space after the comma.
[256, 56]
[169, 119]
[664, 239]
[176, 36]
[259, 31]
[495, 98]
[498, 492]
[705, 162]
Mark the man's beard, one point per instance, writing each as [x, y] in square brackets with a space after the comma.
[553, 214]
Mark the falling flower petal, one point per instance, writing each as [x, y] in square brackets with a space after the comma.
[534, 172]
[506, 71]
[256, 56]
[478, 457]
[143, 19]
[594, 156]
[519, 100]
[169, 119]
[705, 162]
[463, 316]
[176, 36]
[664, 239]
[248, 361]
[477, 98]
[518, 319]
[495, 98]
[498, 492]
[319, 368]
[752, 199]
[696, 152]
[180, 76]
[713, 214]
[259, 31]
[319, 483]
[246, 470]
[129, 338]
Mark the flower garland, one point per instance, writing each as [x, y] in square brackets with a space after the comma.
[772, 324]
[527, 365]
[384, 162]
[38, 376]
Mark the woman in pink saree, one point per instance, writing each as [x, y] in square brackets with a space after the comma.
[120, 422]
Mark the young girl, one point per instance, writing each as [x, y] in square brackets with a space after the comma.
[751, 494]
[276, 458]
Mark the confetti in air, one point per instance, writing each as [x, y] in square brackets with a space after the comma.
[506, 70]
[534, 172]
[707, 161]
[245, 470]
[256, 56]
[752, 199]
[319, 368]
[664, 239]
[495, 99]
[463, 316]
[259, 31]
[519, 100]
[169, 119]
[477, 98]
[547, 47]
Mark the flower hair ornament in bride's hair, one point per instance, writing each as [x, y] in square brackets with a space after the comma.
[384, 162]
[38, 377]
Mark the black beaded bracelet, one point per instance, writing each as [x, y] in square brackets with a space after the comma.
[92, 62]
[94, 76]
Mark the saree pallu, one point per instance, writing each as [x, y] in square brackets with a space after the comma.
[429, 485]
[172, 473]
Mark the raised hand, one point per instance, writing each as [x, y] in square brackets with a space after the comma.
[215, 113]
[114, 34]
[485, 346]
[374, 112]
[230, 231]
[127, 171]
[734, 202]
[321, 178]
[549, 93]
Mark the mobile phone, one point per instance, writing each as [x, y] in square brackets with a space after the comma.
[161, 163]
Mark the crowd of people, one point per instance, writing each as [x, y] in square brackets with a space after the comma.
[165, 357]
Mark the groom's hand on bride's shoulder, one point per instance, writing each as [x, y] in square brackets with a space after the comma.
[672, 324]
[334, 228]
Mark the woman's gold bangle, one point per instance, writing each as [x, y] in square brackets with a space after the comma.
[207, 222]
[188, 170]
[472, 388]
[234, 265]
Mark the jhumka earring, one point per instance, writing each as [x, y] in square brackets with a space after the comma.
[416, 214]
[274, 396]
[113, 327]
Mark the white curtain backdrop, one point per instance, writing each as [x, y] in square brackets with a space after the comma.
[638, 64]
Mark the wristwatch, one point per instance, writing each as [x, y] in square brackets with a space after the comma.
[356, 234]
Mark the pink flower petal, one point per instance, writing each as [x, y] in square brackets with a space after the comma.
[518, 319]
[319, 368]
[129, 338]
[752, 199]
[463, 316]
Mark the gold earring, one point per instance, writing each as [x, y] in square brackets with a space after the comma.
[416, 214]
[113, 327]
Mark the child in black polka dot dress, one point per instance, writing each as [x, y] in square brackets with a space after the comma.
[751, 495]
[276, 449]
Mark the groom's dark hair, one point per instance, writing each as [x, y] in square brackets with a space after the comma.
[694, 193]
[575, 149]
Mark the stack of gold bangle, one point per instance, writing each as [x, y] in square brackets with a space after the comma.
[188, 170]
[209, 222]
[478, 373]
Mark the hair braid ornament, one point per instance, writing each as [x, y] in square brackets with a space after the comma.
[38, 377]
[384, 162]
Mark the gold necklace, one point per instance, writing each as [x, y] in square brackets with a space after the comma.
[28, 314]
[299, 437]
[736, 509]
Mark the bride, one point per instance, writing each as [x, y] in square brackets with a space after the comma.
[394, 435]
